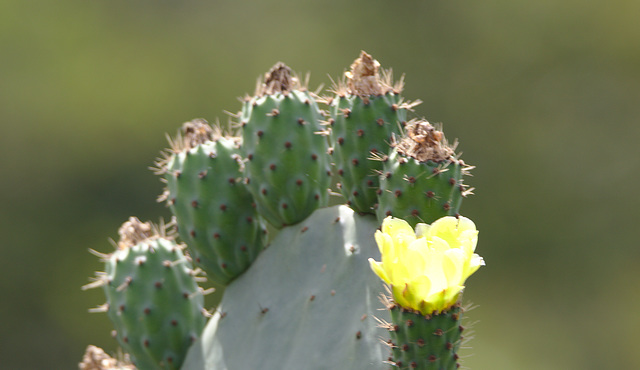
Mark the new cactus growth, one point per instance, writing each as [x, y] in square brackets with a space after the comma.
[311, 300]
[366, 111]
[287, 167]
[421, 180]
[153, 299]
[213, 208]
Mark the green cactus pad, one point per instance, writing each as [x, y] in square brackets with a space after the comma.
[310, 301]
[287, 167]
[213, 208]
[365, 114]
[425, 343]
[421, 184]
[153, 299]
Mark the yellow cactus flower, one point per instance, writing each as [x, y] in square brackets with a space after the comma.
[427, 268]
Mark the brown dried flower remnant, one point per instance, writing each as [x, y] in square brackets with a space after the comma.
[363, 79]
[96, 359]
[133, 232]
[423, 142]
[280, 79]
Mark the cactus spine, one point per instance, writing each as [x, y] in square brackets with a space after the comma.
[366, 112]
[213, 208]
[153, 299]
[287, 167]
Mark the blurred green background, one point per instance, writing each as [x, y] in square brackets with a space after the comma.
[543, 96]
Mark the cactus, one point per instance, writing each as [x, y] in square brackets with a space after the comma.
[422, 178]
[213, 208]
[310, 299]
[287, 167]
[153, 299]
[366, 111]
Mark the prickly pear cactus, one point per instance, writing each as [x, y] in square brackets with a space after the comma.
[309, 302]
[366, 111]
[287, 167]
[153, 299]
[421, 179]
[214, 210]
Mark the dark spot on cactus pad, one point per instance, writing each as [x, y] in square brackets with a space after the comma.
[388, 213]
[331, 121]
[461, 328]
[355, 161]
[409, 323]
[170, 359]
[340, 140]
[369, 182]
[223, 207]
[304, 229]
[264, 310]
[314, 157]
[216, 236]
[166, 264]
[285, 205]
[394, 107]
[223, 265]
[379, 191]
[202, 174]
[192, 233]
[125, 339]
[316, 197]
[360, 133]
[312, 298]
[121, 308]
[287, 145]
[438, 332]
[146, 343]
[306, 102]
[259, 133]
[250, 156]
[420, 342]
[455, 355]
[194, 204]
[328, 173]
[346, 112]
[272, 167]
[177, 174]
[398, 193]
[380, 122]
[430, 194]
[355, 193]
[274, 113]
[198, 259]
[299, 182]
[336, 220]
[358, 334]
[185, 295]
[449, 346]
[243, 248]
[405, 347]
[264, 191]
[411, 180]
[249, 219]
[415, 213]
[413, 365]
[301, 122]
[373, 151]
[158, 284]
[452, 181]
[172, 201]
[387, 175]
[243, 123]
[446, 206]
[232, 180]
[435, 171]
[247, 181]
[333, 292]
[147, 311]
[433, 358]
[340, 172]
[399, 363]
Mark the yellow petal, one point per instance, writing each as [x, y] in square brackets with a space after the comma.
[377, 268]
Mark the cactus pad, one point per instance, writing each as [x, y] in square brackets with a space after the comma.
[308, 302]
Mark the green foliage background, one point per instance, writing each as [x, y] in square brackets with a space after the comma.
[543, 95]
